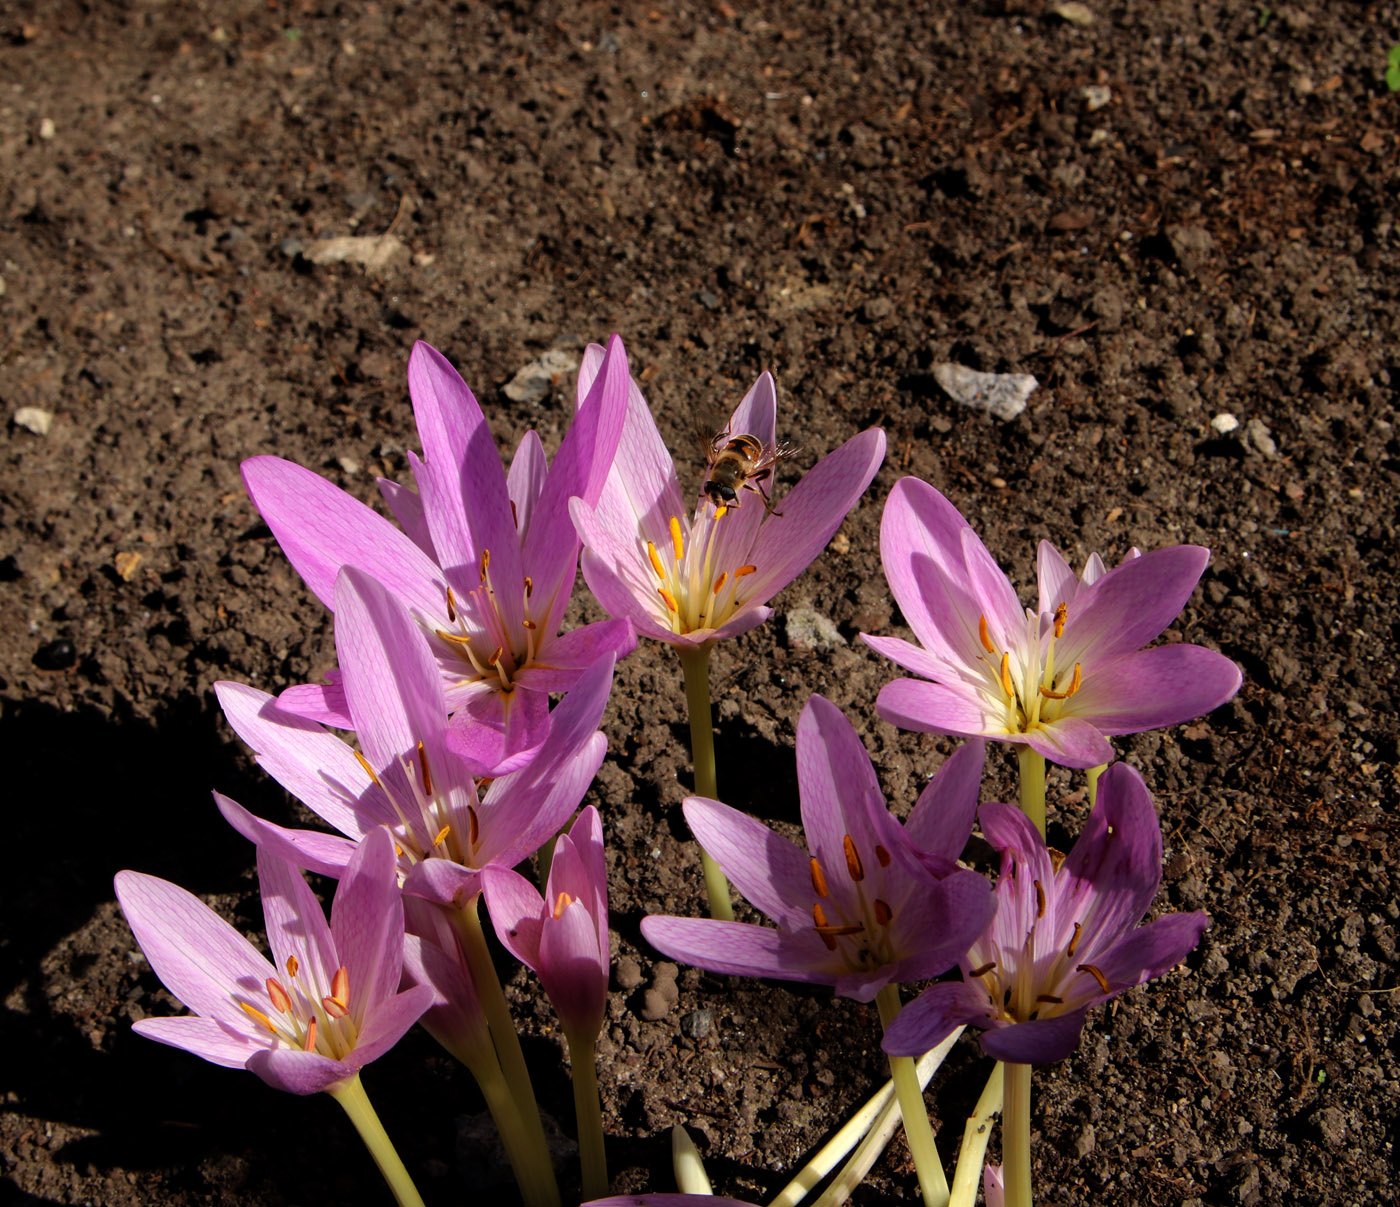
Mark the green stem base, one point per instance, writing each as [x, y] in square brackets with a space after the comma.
[355, 1103]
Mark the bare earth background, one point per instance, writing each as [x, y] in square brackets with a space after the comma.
[1165, 212]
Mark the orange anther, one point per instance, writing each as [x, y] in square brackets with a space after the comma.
[278, 996]
[309, 1043]
[818, 878]
[655, 560]
[258, 1017]
[561, 903]
[985, 636]
[1096, 974]
[743, 571]
[854, 867]
[883, 913]
[1006, 685]
[669, 598]
[423, 767]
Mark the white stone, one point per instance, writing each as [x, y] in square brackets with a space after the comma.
[1001, 394]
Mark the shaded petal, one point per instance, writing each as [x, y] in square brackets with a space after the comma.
[516, 910]
[316, 767]
[497, 732]
[1056, 580]
[367, 924]
[392, 683]
[407, 508]
[618, 581]
[941, 820]
[934, 1015]
[205, 1037]
[326, 854]
[573, 970]
[750, 618]
[525, 478]
[738, 948]
[771, 872]
[580, 868]
[296, 927]
[299, 1072]
[937, 708]
[563, 659]
[389, 1022]
[1130, 605]
[1042, 1041]
[321, 528]
[198, 956]
[1070, 742]
[940, 923]
[1152, 950]
[812, 512]
[1154, 688]
[443, 882]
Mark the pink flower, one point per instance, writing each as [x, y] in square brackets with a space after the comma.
[563, 935]
[1065, 936]
[694, 579]
[485, 562]
[1062, 678]
[870, 902]
[327, 1008]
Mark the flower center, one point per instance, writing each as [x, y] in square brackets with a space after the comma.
[857, 927]
[483, 638]
[428, 823]
[1027, 686]
[696, 592]
[301, 1015]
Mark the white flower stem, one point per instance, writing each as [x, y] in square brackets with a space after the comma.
[968, 1175]
[864, 1122]
[695, 662]
[355, 1102]
[1032, 768]
[933, 1184]
[542, 1190]
[688, 1165]
[588, 1114]
[1016, 1136]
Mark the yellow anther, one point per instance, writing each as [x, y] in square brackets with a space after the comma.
[530, 624]
[818, 878]
[1096, 974]
[719, 515]
[1006, 685]
[495, 659]
[258, 1017]
[883, 914]
[278, 996]
[423, 767]
[1074, 942]
[292, 966]
[485, 564]
[655, 560]
[309, 1043]
[676, 542]
[742, 571]
[986, 968]
[1073, 687]
[669, 598]
[451, 606]
[1060, 612]
[454, 638]
[720, 581]
[985, 637]
[561, 903]
[440, 835]
[854, 867]
[369, 771]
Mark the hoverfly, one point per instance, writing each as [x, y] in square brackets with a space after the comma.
[738, 463]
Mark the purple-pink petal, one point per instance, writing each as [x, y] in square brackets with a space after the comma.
[935, 708]
[390, 1021]
[941, 820]
[573, 970]
[1152, 950]
[367, 922]
[1157, 687]
[206, 1038]
[934, 1015]
[323, 703]
[326, 854]
[516, 910]
[738, 948]
[297, 931]
[299, 1072]
[1040, 1041]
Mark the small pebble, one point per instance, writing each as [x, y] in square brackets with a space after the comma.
[1224, 423]
[34, 419]
[696, 1024]
[628, 974]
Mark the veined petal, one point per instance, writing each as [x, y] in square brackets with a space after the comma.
[738, 948]
[205, 1037]
[323, 703]
[912, 658]
[321, 528]
[407, 508]
[296, 927]
[299, 1072]
[390, 1021]
[573, 970]
[497, 732]
[772, 873]
[1156, 687]
[741, 622]
[618, 580]
[1151, 951]
[757, 414]
[1130, 605]
[940, 923]
[812, 512]
[326, 854]
[443, 882]
[563, 659]
[993, 592]
[392, 683]
[1071, 742]
[938, 708]
[367, 923]
[198, 956]
[525, 478]
[316, 767]
[516, 909]
[1056, 580]
[934, 1015]
[941, 820]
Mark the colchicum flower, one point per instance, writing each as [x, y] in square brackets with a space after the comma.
[327, 1008]
[691, 580]
[862, 908]
[1061, 679]
[405, 775]
[485, 563]
[1065, 936]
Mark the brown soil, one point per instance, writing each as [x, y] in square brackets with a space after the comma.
[845, 195]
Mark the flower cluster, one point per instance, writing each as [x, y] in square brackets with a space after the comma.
[474, 719]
